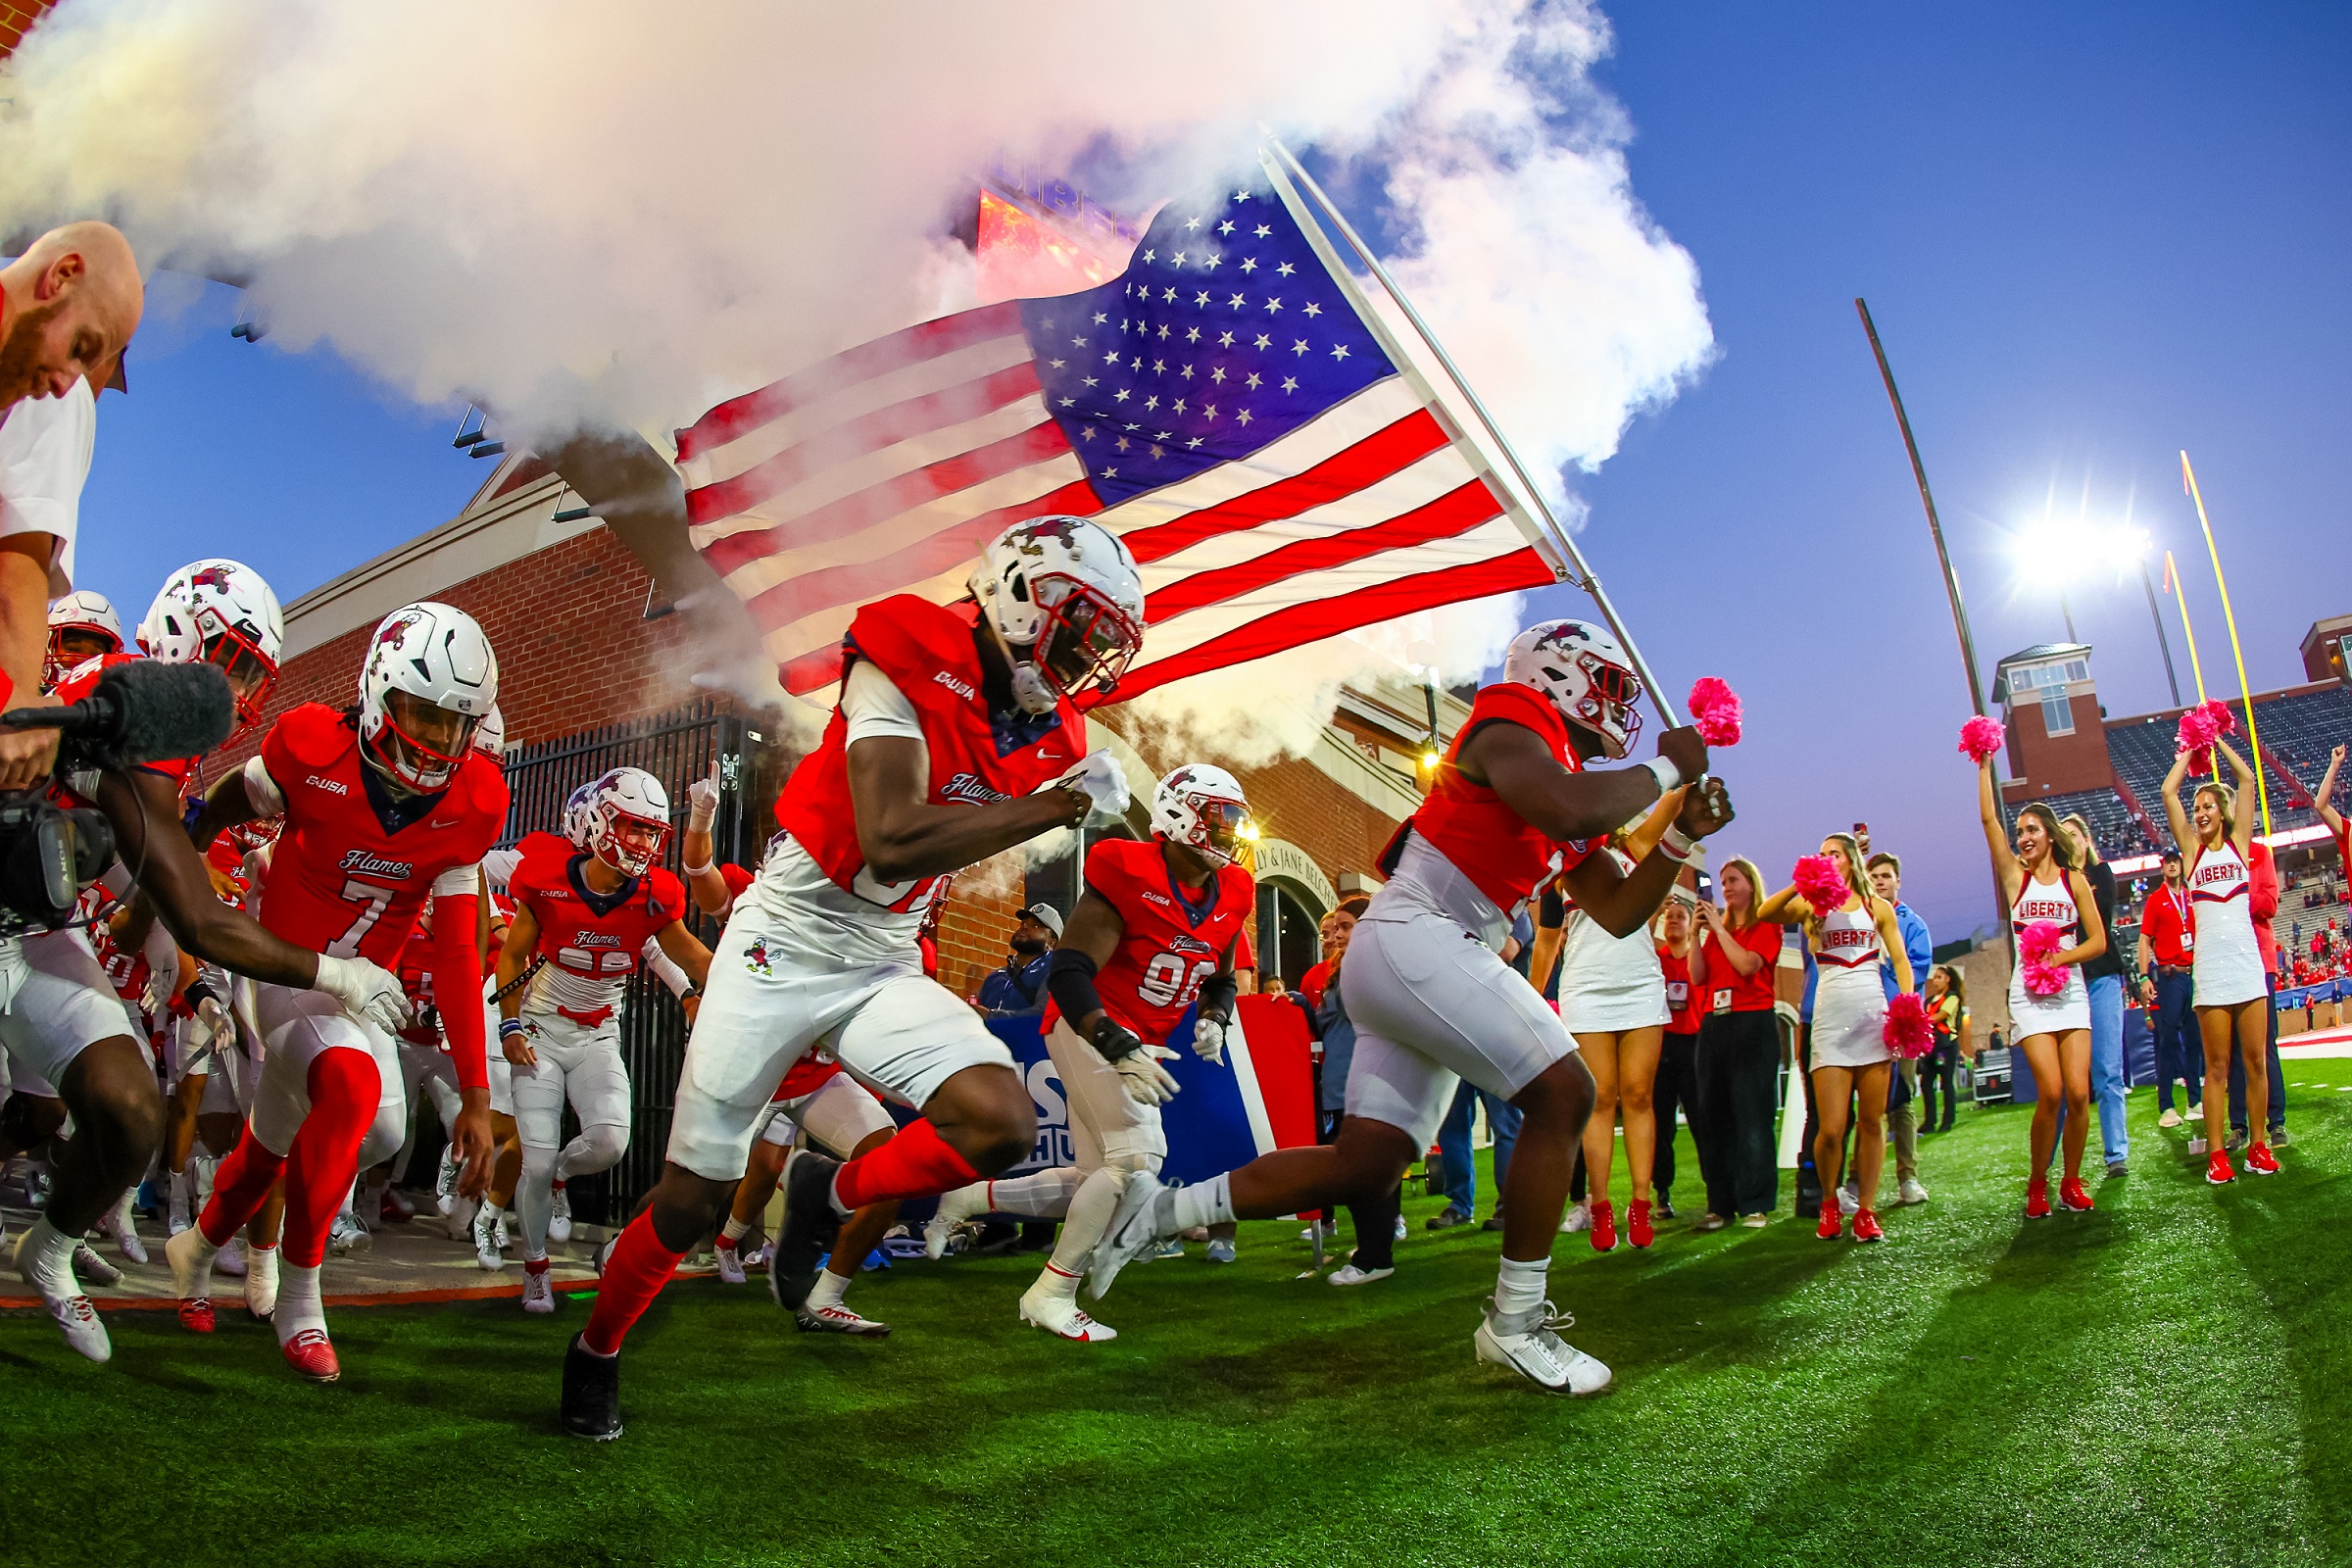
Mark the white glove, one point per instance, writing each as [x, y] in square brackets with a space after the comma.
[1101, 781]
[1145, 1081]
[369, 993]
[215, 1032]
[1209, 1039]
[702, 802]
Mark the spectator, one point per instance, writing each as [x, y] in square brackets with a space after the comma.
[1676, 1086]
[2263, 904]
[1946, 997]
[2166, 946]
[1739, 1055]
[2103, 977]
[1903, 1110]
[1334, 931]
[1019, 990]
[68, 309]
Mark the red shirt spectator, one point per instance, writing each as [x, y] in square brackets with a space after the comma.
[2167, 926]
[1682, 1010]
[1728, 990]
[2262, 902]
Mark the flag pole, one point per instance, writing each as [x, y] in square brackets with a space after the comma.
[2245, 692]
[1588, 579]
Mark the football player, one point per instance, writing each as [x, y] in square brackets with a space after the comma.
[82, 625]
[1151, 936]
[582, 916]
[385, 805]
[955, 738]
[69, 1022]
[1433, 1003]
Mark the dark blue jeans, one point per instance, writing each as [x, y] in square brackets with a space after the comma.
[2276, 1113]
[1456, 1169]
[2179, 1048]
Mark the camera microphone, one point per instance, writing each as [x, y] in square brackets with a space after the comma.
[142, 711]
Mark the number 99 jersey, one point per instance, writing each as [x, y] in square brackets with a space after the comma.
[1170, 945]
[342, 879]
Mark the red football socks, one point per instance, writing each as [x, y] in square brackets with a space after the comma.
[239, 1188]
[634, 1274]
[344, 1089]
[915, 1163]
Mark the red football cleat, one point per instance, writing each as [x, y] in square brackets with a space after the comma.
[1604, 1225]
[2072, 1198]
[2037, 1199]
[1833, 1222]
[311, 1353]
[2217, 1169]
[196, 1315]
[2260, 1162]
[1866, 1226]
[1636, 1223]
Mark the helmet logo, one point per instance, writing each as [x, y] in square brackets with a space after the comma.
[214, 577]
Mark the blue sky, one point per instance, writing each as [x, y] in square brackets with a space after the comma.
[2090, 235]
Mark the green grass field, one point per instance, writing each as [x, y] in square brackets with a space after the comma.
[2165, 1381]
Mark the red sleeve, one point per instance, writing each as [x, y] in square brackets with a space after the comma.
[2263, 895]
[458, 978]
[1244, 955]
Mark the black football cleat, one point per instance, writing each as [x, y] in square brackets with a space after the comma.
[591, 1394]
[805, 1237]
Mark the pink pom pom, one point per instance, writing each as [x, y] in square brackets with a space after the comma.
[1820, 883]
[1715, 709]
[2038, 941]
[2200, 727]
[1906, 1031]
[1980, 737]
[2044, 979]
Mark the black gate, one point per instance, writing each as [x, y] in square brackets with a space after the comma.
[678, 748]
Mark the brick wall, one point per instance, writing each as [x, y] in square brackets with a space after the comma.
[16, 18]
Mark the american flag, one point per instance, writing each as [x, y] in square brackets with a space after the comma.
[1223, 405]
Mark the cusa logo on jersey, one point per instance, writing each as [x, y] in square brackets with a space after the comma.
[960, 688]
[969, 790]
[331, 786]
[368, 865]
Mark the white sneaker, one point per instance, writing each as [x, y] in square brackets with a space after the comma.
[730, 1262]
[231, 1260]
[1911, 1192]
[1061, 1316]
[488, 1242]
[2170, 1118]
[1131, 1236]
[1578, 1218]
[348, 1236]
[2195, 1112]
[61, 1292]
[1530, 1345]
[94, 1269]
[559, 1219]
[1849, 1199]
[124, 1226]
[261, 1282]
[1221, 1249]
[504, 1241]
[1348, 1274]
[953, 1210]
[1400, 1227]
[538, 1290]
[445, 1183]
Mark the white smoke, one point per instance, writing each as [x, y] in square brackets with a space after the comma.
[584, 211]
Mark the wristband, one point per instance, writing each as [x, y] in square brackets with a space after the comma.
[697, 870]
[1669, 776]
[508, 1027]
[1677, 845]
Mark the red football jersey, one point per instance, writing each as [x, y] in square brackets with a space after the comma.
[1502, 853]
[1170, 945]
[590, 953]
[339, 882]
[927, 652]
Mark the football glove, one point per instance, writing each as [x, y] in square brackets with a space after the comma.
[1145, 1081]
[1208, 1038]
[1099, 779]
[702, 802]
[368, 993]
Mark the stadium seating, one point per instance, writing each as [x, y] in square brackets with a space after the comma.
[2297, 733]
[2112, 825]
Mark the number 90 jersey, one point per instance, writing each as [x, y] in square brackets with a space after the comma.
[340, 880]
[1170, 945]
[590, 948]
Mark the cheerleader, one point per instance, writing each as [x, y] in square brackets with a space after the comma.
[2230, 991]
[2041, 885]
[1613, 999]
[1850, 1060]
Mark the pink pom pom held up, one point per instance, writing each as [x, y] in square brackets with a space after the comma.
[2200, 727]
[2044, 979]
[1715, 709]
[1980, 737]
[1820, 883]
[1906, 1031]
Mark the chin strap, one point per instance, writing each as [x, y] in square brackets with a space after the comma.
[1034, 696]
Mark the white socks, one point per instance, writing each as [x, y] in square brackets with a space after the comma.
[177, 1215]
[733, 1230]
[535, 1197]
[298, 1304]
[1041, 1194]
[46, 1253]
[1208, 1203]
[828, 1291]
[1519, 1288]
[1090, 1215]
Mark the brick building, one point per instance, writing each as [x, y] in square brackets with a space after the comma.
[586, 640]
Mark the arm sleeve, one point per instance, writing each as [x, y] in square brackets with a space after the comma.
[457, 971]
[261, 789]
[1217, 995]
[664, 968]
[1072, 983]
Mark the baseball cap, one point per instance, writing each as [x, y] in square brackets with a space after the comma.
[1047, 915]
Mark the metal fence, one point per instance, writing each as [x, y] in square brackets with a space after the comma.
[677, 748]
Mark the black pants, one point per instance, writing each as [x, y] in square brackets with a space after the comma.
[2276, 1113]
[1941, 1067]
[1737, 1069]
[1375, 1225]
[1676, 1088]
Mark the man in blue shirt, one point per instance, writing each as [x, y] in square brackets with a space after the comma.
[1902, 1096]
[1019, 990]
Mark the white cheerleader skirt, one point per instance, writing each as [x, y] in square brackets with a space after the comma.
[2029, 1014]
[2226, 967]
[1849, 1017]
[1611, 984]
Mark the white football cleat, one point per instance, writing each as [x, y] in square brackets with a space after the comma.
[231, 1260]
[445, 1183]
[1132, 1236]
[538, 1290]
[730, 1262]
[836, 1319]
[1530, 1345]
[93, 1268]
[261, 1282]
[953, 1210]
[1060, 1316]
[1348, 1274]
[559, 1218]
[61, 1292]
[505, 1240]
[347, 1236]
[124, 1226]
[488, 1243]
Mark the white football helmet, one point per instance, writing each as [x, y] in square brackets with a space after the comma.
[429, 681]
[92, 614]
[1585, 675]
[1204, 808]
[1066, 603]
[220, 612]
[490, 735]
[575, 814]
[627, 817]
